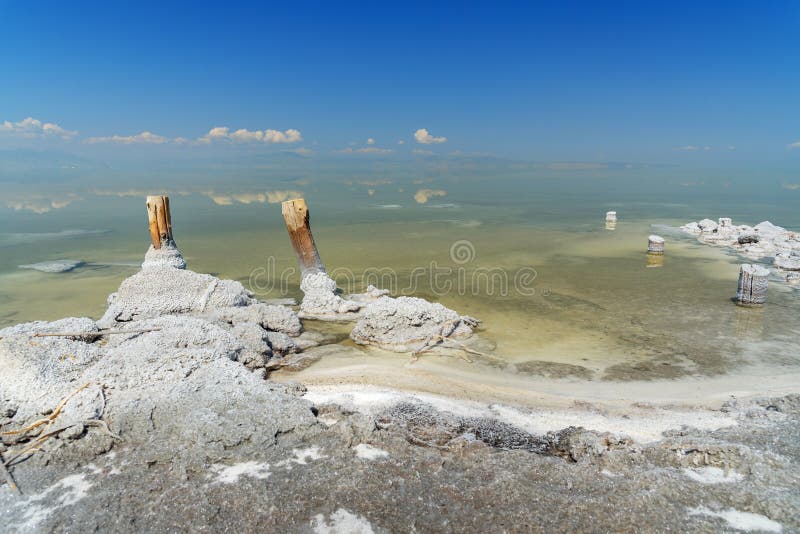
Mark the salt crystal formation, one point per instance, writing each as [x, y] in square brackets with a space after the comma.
[406, 324]
[320, 300]
[762, 241]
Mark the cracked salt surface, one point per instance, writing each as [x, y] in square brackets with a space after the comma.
[341, 522]
[745, 521]
[368, 452]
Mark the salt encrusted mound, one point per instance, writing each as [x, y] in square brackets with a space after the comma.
[34, 366]
[268, 316]
[166, 256]
[405, 324]
[320, 300]
[160, 290]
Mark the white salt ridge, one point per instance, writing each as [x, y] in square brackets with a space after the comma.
[745, 521]
[644, 425]
[712, 475]
[341, 522]
[230, 474]
[368, 452]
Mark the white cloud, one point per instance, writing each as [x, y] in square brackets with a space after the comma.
[422, 152]
[423, 137]
[401, 142]
[370, 141]
[276, 136]
[796, 144]
[688, 148]
[144, 138]
[32, 128]
[251, 136]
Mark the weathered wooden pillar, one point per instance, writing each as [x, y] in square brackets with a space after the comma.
[295, 213]
[753, 282]
[655, 244]
[160, 221]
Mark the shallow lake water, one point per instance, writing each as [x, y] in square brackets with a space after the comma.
[560, 295]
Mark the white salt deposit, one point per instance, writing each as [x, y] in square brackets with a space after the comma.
[712, 475]
[230, 474]
[341, 522]
[366, 451]
[643, 425]
[69, 491]
[303, 456]
[746, 521]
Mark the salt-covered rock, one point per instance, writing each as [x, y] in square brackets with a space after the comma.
[281, 343]
[707, 225]
[747, 238]
[403, 324]
[692, 228]
[788, 262]
[166, 256]
[32, 367]
[270, 317]
[766, 228]
[321, 301]
[160, 290]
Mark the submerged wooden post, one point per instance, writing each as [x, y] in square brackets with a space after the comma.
[753, 282]
[295, 213]
[160, 221]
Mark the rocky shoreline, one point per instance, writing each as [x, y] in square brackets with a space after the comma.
[161, 416]
[762, 242]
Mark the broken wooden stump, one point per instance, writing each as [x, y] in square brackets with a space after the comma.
[164, 252]
[295, 213]
[160, 221]
[753, 282]
[321, 298]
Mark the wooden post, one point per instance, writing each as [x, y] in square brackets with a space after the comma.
[655, 244]
[655, 260]
[295, 213]
[160, 220]
[753, 282]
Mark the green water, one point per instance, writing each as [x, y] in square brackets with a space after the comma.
[527, 252]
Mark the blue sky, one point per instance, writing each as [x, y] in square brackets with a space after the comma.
[679, 82]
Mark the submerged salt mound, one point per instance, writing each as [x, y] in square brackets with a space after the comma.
[405, 324]
[53, 266]
[320, 300]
